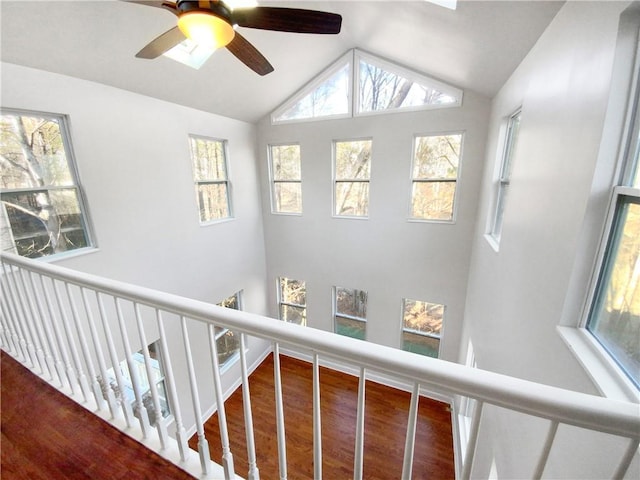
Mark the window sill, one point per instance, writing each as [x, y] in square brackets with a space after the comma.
[602, 370]
[493, 243]
[78, 252]
[209, 223]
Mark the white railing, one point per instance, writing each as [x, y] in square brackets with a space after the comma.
[75, 329]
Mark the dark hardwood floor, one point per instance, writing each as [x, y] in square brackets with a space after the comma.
[385, 427]
[46, 435]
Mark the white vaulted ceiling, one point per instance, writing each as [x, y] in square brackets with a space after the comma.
[475, 47]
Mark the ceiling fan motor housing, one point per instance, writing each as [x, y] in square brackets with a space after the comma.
[219, 9]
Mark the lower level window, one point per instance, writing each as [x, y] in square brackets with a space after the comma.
[292, 300]
[227, 342]
[422, 327]
[350, 312]
[126, 394]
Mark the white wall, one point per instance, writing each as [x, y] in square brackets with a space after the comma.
[386, 255]
[516, 296]
[133, 159]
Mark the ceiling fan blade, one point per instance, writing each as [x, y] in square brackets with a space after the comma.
[249, 55]
[165, 5]
[161, 44]
[288, 20]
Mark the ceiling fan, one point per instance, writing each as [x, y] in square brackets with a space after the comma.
[213, 24]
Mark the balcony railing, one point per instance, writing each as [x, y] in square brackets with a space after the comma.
[76, 330]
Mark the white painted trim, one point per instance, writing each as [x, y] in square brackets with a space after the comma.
[599, 365]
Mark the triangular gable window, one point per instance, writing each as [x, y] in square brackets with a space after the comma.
[383, 86]
[380, 86]
[329, 95]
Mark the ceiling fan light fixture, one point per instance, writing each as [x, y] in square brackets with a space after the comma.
[206, 29]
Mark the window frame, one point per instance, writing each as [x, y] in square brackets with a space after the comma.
[602, 369]
[64, 124]
[222, 331]
[336, 181]
[337, 314]
[273, 181]
[351, 59]
[336, 66]
[403, 329]
[454, 210]
[508, 148]
[226, 182]
[360, 55]
[281, 301]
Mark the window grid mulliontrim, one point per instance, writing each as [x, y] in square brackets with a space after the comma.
[64, 128]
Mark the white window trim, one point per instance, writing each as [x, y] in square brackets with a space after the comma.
[352, 58]
[334, 181]
[233, 358]
[227, 182]
[337, 315]
[404, 72]
[505, 162]
[606, 375]
[282, 302]
[454, 213]
[273, 181]
[439, 336]
[64, 123]
[346, 59]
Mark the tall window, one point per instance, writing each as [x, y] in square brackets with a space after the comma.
[227, 342]
[422, 327]
[436, 161]
[350, 312]
[511, 139]
[292, 300]
[209, 159]
[144, 383]
[352, 170]
[614, 317]
[42, 206]
[286, 178]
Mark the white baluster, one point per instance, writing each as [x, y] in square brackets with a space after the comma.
[410, 439]
[8, 293]
[181, 436]
[254, 473]
[115, 362]
[133, 373]
[22, 319]
[626, 460]
[359, 448]
[227, 457]
[51, 355]
[5, 333]
[203, 445]
[282, 442]
[160, 425]
[11, 317]
[317, 424]
[65, 368]
[473, 440]
[34, 323]
[95, 386]
[544, 456]
[97, 345]
[79, 370]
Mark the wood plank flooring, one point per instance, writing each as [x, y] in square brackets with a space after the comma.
[46, 435]
[385, 427]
